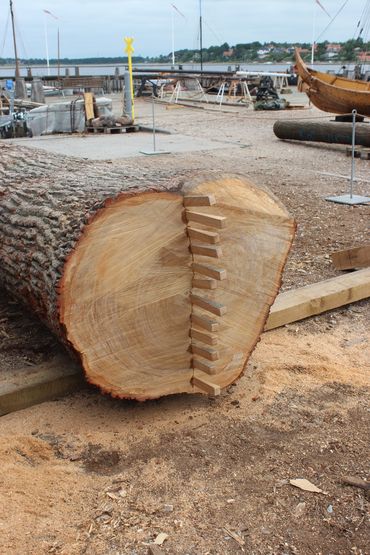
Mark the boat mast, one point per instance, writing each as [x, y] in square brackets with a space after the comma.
[201, 36]
[17, 69]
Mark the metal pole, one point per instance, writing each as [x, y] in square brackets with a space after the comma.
[153, 118]
[354, 114]
[58, 55]
[201, 36]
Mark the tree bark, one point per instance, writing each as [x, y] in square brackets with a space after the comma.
[160, 285]
[337, 133]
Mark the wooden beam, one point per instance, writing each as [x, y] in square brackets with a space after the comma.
[350, 259]
[204, 366]
[199, 200]
[206, 386]
[209, 354]
[205, 236]
[32, 385]
[209, 271]
[206, 250]
[89, 105]
[298, 304]
[203, 337]
[204, 323]
[206, 219]
[209, 305]
[205, 283]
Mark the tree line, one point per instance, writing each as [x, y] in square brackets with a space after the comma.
[243, 52]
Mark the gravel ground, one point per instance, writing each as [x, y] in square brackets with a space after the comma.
[89, 474]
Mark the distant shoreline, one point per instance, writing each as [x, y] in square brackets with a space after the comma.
[168, 65]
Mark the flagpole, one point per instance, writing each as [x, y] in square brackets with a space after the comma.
[46, 43]
[201, 36]
[313, 32]
[173, 34]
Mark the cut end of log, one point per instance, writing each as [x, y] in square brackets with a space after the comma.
[131, 298]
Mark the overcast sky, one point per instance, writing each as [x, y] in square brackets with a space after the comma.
[97, 27]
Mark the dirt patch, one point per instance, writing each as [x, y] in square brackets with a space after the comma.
[90, 474]
[99, 460]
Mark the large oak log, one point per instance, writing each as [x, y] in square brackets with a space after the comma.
[328, 132]
[160, 285]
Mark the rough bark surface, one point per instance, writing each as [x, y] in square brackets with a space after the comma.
[335, 133]
[45, 202]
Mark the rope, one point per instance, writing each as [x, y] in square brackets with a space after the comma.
[5, 34]
[332, 20]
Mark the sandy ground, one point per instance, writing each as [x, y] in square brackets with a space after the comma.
[88, 474]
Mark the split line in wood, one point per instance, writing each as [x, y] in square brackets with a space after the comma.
[310, 300]
[203, 337]
[199, 200]
[204, 366]
[205, 323]
[350, 259]
[209, 220]
[210, 354]
[205, 385]
[204, 283]
[208, 304]
[203, 235]
[210, 271]
[203, 250]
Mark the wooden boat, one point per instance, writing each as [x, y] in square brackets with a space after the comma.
[332, 93]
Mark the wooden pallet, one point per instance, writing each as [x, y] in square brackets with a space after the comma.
[360, 152]
[113, 130]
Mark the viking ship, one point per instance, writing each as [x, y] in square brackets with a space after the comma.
[332, 93]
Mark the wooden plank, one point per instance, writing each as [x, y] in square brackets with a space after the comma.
[206, 386]
[317, 298]
[209, 354]
[30, 386]
[205, 283]
[209, 305]
[206, 219]
[206, 250]
[89, 105]
[210, 271]
[204, 366]
[205, 236]
[199, 200]
[204, 323]
[350, 259]
[203, 337]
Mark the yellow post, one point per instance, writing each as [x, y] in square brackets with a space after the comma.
[129, 51]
